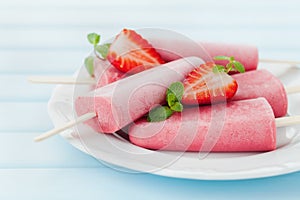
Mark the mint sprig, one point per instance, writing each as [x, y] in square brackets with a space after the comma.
[159, 113]
[93, 38]
[100, 51]
[103, 49]
[232, 65]
[89, 65]
[173, 97]
[177, 90]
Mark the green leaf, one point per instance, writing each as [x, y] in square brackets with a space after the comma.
[177, 107]
[93, 38]
[89, 65]
[177, 89]
[103, 49]
[159, 113]
[222, 58]
[231, 58]
[171, 99]
[218, 68]
[229, 67]
[239, 66]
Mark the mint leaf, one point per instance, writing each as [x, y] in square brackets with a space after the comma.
[229, 67]
[171, 99]
[93, 38]
[218, 68]
[177, 89]
[222, 58]
[177, 107]
[239, 66]
[89, 65]
[232, 65]
[103, 49]
[159, 113]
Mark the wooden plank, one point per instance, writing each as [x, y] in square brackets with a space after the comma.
[71, 40]
[24, 116]
[18, 150]
[104, 183]
[17, 88]
[90, 3]
[41, 61]
[119, 5]
[88, 17]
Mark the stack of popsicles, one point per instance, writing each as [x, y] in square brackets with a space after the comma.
[248, 121]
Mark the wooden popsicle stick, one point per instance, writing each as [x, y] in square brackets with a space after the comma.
[280, 61]
[70, 124]
[287, 121]
[91, 81]
[60, 80]
[280, 122]
[292, 89]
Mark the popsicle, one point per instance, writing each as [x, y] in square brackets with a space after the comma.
[171, 49]
[246, 54]
[261, 83]
[171, 46]
[246, 125]
[126, 100]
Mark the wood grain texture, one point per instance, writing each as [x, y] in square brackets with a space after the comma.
[19, 151]
[61, 184]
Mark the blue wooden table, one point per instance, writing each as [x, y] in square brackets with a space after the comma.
[49, 38]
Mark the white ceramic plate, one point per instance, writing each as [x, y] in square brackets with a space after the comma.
[215, 166]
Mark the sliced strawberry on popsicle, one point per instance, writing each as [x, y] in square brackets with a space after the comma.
[204, 86]
[131, 53]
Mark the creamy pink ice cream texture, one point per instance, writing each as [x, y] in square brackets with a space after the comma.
[249, 125]
[262, 83]
[120, 103]
[246, 54]
[171, 48]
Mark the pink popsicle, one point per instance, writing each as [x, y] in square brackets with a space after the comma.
[126, 100]
[173, 48]
[246, 54]
[249, 126]
[261, 83]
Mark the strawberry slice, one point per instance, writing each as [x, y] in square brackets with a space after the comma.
[131, 53]
[204, 86]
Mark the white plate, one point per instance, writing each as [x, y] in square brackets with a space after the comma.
[215, 166]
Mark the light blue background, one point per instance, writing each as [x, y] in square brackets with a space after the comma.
[49, 38]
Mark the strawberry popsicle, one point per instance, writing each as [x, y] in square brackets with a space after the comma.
[261, 83]
[172, 47]
[246, 54]
[126, 100]
[249, 125]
